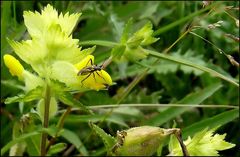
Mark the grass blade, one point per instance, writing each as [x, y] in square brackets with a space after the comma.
[74, 139]
[182, 20]
[211, 122]
[172, 112]
[193, 65]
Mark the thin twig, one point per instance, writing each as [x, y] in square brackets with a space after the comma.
[178, 134]
[229, 57]
[163, 105]
[69, 150]
[157, 105]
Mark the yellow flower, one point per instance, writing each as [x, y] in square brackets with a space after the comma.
[97, 79]
[14, 66]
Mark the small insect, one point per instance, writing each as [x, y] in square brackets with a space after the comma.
[120, 140]
[90, 70]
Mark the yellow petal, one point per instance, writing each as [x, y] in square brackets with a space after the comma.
[103, 77]
[85, 62]
[96, 80]
[14, 66]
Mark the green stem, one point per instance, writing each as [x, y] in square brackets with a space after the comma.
[230, 15]
[163, 105]
[213, 106]
[46, 119]
[14, 14]
[59, 126]
[229, 57]
[183, 35]
[99, 42]
[220, 50]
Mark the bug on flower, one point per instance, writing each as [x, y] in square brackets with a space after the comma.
[90, 70]
[120, 139]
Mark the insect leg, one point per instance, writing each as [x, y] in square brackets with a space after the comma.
[85, 78]
[90, 60]
[94, 77]
[100, 76]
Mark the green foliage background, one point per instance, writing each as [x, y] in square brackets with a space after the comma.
[166, 82]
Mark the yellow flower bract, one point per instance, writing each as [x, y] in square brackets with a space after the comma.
[14, 66]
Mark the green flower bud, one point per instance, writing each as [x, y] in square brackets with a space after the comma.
[139, 141]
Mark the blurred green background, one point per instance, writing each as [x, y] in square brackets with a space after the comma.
[166, 82]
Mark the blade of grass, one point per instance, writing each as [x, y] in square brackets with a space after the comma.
[26, 136]
[162, 105]
[75, 140]
[195, 98]
[99, 42]
[182, 20]
[19, 139]
[210, 106]
[14, 14]
[193, 65]
[211, 122]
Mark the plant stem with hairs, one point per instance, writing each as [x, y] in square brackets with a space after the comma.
[46, 119]
[59, 127]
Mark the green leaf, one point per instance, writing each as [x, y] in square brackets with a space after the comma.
[108, 140]
[10, 28]
[126, 31]
[74, 139]
[211, 122]
[68, 99]
[22, 138]
[166, 66]
[149, 9]
[146, 34]
[54, 149]
[18, 148]
[52, 109]
[33, 94]
[33, 145]
[194, 98]
[117, 25]
[117, 52]
[50, 130]
[198, 97]
[203, 143]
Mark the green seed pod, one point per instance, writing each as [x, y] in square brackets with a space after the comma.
[139, 141]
